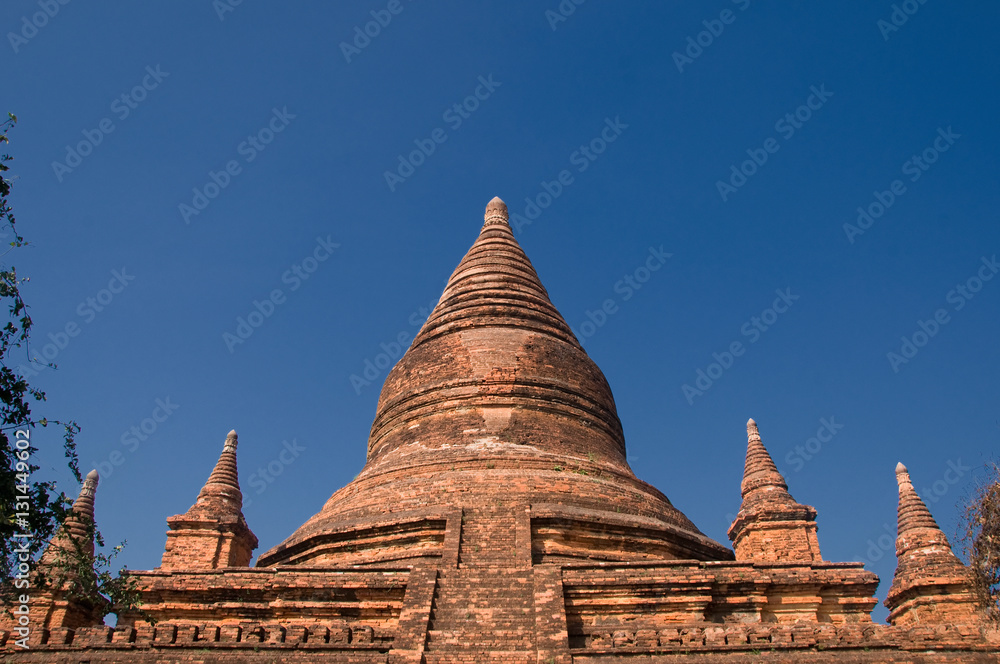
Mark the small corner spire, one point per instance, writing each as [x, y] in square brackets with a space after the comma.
[759, 470]
[83, 506]
[213, 533]
[71, 550]
[496, 212]
[766, 503]
[225, 477]
[930, 585]
[78, 528]
[913, 513]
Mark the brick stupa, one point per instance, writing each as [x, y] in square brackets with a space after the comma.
[497, 520]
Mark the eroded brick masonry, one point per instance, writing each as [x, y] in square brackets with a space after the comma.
[496, 520]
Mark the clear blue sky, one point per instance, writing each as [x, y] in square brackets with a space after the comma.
[308, 129]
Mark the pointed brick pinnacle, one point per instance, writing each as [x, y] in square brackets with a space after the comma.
[224, 482]
[77, 529]
[495, 285]
[83, 506]
[924, 558]
[225, 473]
[770, 525]
[913, 513]
[496, 212]
[759, 471]
[85, 501]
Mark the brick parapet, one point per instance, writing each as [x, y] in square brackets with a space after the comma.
[579, 613]
[794, 642]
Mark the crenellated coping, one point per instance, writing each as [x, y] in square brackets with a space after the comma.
[804, 635]
[595, 639]
[330, 636]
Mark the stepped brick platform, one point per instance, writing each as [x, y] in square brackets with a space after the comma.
[497, 520]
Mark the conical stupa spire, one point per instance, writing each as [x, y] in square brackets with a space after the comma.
[495, 311]
[68, 552]
[912, 513]
[81, 519]
[770, 525]
[222, 490]
[224, 475]
[759, 471]
[83, 506]
[495, 285]
[78, 528]
[213, 533]
[930, 584]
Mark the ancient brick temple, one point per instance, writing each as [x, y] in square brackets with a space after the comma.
[496, 520]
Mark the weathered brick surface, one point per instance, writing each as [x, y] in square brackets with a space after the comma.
[497, 520]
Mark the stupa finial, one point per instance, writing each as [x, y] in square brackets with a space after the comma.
[496, 212]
